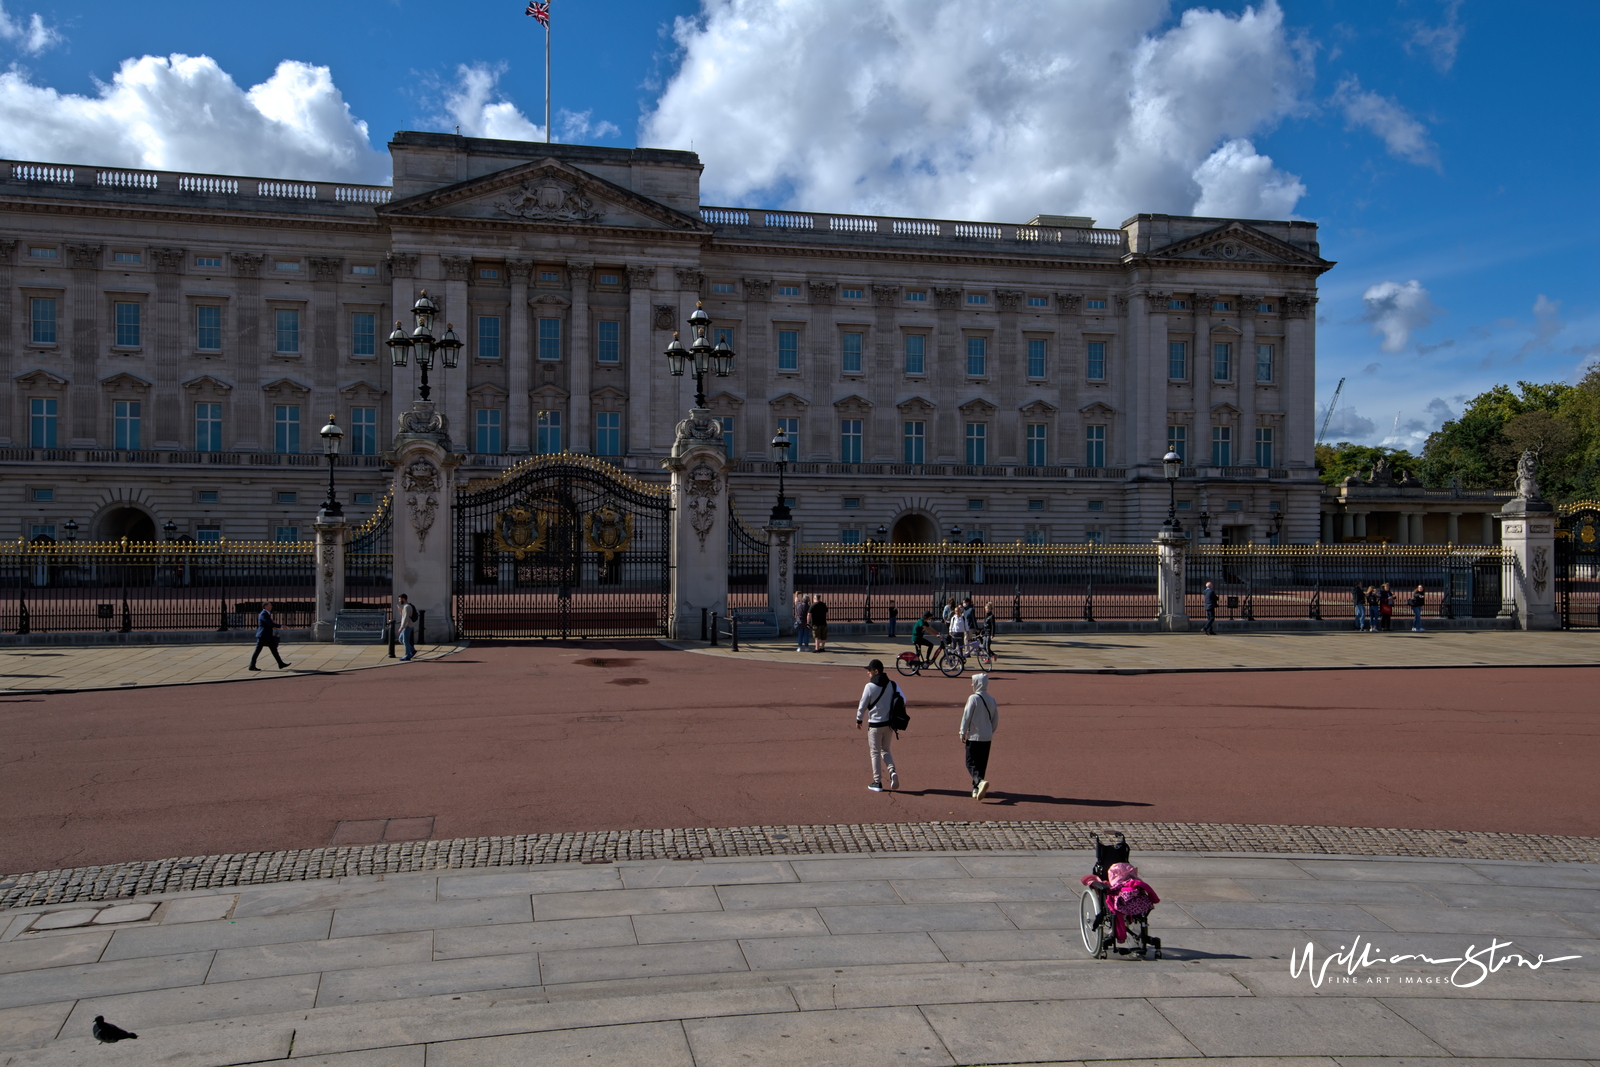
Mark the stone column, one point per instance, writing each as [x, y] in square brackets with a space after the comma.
[1402, 528]
[325, 315]
[1347, 525]
[1171, 551]
[10, 432]
[1528, 529]
[1361, 524]
[780, 580]
[1247, 387]
[699, 523]
[1452, 528]
[1488, 528]
[580, 432]
[641, 358]
[423, 464]
[1327, 527]
[519, 356]
[452, 387]
[887, 439]
[947, 377]
[1418, 527]
[1200, 377]
[403, 381]
[330, 572]
[169, 334]
[85, 348]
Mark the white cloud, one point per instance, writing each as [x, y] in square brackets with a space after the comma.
[1347, 424]
[984, 108]
[1440, 411]
[1397, 310]
[476, 106]
[32, 36]
[1439, 42]
[186, 113]
[1402, 135]
[1546, 324]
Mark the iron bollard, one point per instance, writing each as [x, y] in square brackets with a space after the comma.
[713, 628]
[391, 636]
[703, 624]
[733, 631]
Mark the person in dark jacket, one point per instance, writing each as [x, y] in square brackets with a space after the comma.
[1418, 599]
[1373, 600]
[1211, 611]
[894, 619]
[1386, 606]
[819, 622]
[1360, 599]
[988, 628]
[267, 638]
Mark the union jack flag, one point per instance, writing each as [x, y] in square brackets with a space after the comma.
[540, 9]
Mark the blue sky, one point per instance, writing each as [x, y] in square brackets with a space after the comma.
[1446, 147]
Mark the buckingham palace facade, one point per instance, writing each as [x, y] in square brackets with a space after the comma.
[173, 342]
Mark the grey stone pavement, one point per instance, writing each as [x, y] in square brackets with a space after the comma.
[927, 958]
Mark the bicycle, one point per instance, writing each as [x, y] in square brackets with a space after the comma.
[910, 664]
[953, 659]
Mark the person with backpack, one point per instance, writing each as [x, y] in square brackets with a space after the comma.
[1418, 599]
[883, 708]
[819, 623]
[1386, 606]
[978, 722]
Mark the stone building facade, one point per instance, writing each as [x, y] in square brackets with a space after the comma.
[170, 345]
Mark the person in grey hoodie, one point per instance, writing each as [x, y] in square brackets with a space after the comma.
[978, 722]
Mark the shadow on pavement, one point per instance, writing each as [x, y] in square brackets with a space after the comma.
[1028, 798]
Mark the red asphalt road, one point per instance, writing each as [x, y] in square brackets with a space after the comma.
[507, 739]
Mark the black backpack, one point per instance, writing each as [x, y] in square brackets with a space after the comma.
[899, 719]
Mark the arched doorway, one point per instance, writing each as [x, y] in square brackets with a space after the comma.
[914, 528]
[127, 522]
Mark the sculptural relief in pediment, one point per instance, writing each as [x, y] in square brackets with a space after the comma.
[548, 199]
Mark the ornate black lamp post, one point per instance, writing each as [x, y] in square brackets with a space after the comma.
[72, 530]
[170, 528]
[331, 436]
[866, 558]
[716, 360]
[422, 341]
[1172, 466]
[781, 515]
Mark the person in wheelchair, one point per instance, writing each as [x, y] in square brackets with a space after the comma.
[1116, 902]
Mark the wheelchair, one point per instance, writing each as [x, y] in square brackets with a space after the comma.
[1098, 922]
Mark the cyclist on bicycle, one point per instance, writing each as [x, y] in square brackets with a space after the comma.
[919, 637]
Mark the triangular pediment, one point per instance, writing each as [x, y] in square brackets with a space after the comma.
[286, 387]
[853, 404]
[1238, 242]
[206, 381]
[361, 387]
[977, 406]
[124, 380]
[788, 402]
[1038, 409]
[915, 405]
[544, 193]
[1097, 410]
[721, 401]
[39, 378]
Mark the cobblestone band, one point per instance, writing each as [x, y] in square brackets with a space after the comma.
[605, 846]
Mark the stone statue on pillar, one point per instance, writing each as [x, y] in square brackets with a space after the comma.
[1528, 532]
[699, 467]
[424, 479]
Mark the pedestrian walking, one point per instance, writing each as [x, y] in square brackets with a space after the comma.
[1360, 598]
[819, 623]
[959, 628]
[1386, 606]
[1210, 601]
[407, 621]
[802, 622]
[988, 628]
[266, 637]
[1418, 599]
[875, 708]
[1373, 600]
[949, 610]
[894, 619]
[978, 722]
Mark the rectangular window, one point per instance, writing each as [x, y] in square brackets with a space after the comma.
[1221, 362]
[608, 341]
[1236, 505]
[1036, 352]
[488, 273]
[722, 287]
[363, 431]
[1178, 360]
[288, 323]
[209, 496]
[608, 433]
[487, 425]
[722, 335]
[1036, 445]
[208, 535]
[287, 268]
[916, 296]
[1033, 535]
[364, 270]
[42, 422]
[1094, 305]
[608, 279]
[1263, 363]
[124, 257]
[916, 438]
[727, 434]
[852, 294]
[286, 423]
[549, 439]
[788, 349]
[852, 503]
[38, 529]
[1263, 447]
[215, 261]
[1096, 361]
[1222, 305]
[363, 335]
[791, 427]
[42, 253]
[549, 276]
[1036, 504]
[915, 343]
[42, 495]
[288, 498]
[1038, 301]
[1097, 505]
[1094, 450]
[977, 298]
[125, 416]
[1264, 307]
[1177, 305]
[788, 290]
[974, 504]
[849, 440]
[1178, 441]
[488, 336]
[1094, 536]
[977, 444]
[288, 534]
[977, 356]
[849, 537]
[44, 321]
[1221, 446]
[549, 340]
[361, 498]
[852, 353]
[208, 427]
[127, 325]
[208, 329]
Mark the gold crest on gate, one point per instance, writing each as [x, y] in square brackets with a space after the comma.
[608, 530]
[519, 531]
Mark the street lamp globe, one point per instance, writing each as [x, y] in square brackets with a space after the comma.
[331, 436]
[780, 511]
[169, 528]
[1172, 464]
[677, 356]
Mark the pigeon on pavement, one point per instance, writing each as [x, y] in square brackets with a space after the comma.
[108, 1032]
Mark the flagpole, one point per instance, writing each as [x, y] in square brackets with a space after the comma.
[547, 83]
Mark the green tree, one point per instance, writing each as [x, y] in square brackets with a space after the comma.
[1559, 423]
[1337, 462]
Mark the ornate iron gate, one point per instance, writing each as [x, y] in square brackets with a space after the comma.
[369, 561]
[563, 546]
[747, 564]
[1578, 565]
